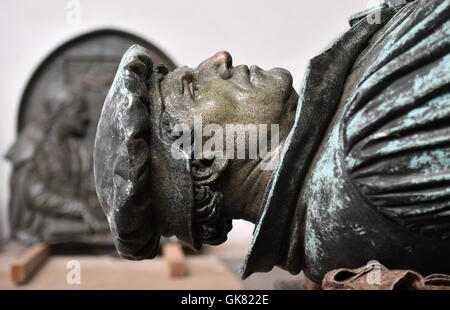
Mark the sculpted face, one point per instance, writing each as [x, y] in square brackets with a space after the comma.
[223, 94]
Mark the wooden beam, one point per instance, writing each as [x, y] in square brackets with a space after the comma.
[174, 256]
[29, 263]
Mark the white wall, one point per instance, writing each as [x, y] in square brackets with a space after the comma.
[279, 33]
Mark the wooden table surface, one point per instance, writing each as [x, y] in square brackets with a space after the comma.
[107, 272]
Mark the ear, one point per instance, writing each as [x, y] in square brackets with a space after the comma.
[208, 169]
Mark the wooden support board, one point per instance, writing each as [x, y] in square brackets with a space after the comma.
[28, 264]
[174, 256]
[104, 272]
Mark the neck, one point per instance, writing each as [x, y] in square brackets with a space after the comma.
[244, 194]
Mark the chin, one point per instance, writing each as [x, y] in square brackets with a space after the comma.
[292, 100]
[284, 78]
[284, 75]
[287, 81]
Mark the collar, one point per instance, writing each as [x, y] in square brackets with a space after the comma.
[278, 235]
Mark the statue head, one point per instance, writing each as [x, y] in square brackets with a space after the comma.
[145, 190]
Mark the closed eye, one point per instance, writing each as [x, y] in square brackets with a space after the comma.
[190, 88]
[194, 90]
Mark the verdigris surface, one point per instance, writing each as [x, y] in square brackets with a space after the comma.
[362, 169]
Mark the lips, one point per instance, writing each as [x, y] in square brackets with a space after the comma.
[242, 76]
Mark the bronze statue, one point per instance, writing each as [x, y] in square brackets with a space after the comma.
[363, 165]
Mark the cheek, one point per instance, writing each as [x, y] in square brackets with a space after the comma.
[215, 111]
[228, 104]
[263, 107]
[242, 108]
[218, 106]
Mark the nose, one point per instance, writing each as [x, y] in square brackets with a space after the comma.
[223, 58]
[219, 64]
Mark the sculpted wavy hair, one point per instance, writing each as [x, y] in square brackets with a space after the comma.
[209, 223]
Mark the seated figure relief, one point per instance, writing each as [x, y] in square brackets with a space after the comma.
[361, 167]
[53, 200]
